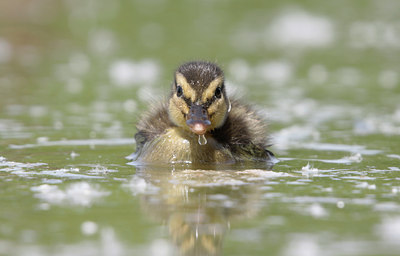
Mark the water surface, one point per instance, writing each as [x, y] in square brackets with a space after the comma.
[74, 78]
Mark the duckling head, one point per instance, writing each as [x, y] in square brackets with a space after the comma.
[198, 102]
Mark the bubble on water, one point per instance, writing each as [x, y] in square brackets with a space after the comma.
[202, 140]
[89, 228]
[340, 204]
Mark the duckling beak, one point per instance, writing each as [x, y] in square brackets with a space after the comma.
[197, 119]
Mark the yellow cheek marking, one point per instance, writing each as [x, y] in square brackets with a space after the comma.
[187, 89]
[210, 91]
[176, 107]
[218, 111]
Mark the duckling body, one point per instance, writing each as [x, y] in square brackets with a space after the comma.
[199, 124]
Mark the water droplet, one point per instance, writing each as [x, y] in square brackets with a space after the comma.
[202, 140]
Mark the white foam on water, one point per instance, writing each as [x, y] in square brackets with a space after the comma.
[387, 207]
[356, 158]
[38, 111]
[297, 29]
[89, 228]
[294, 135]
[389, 229]
[374, 34]
[366, 185]
[161, 247]
[88, 142]
[394, 156]
[309, 171]
[66, 173]
[139, 185]
[79, 194]
[10, 166]
[303, 245]
[277, 72]
[388, 123]
[317, 211]
[11, 129]
[356, 149]
[353, 158]
[98, 169]
[128, 73]
[206, 178]
[255, 174]
[31, 169]
[73, 155]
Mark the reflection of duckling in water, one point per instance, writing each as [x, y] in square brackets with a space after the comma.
[199, 124]
[197, 206]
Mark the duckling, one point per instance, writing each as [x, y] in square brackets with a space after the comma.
[200, 124]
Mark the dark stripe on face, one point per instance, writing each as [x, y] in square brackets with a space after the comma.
[187, 101]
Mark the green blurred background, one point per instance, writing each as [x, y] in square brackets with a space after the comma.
[75, 76]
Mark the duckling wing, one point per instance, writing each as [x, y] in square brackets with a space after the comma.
[152, 124]
[251, 152]
[245, 134]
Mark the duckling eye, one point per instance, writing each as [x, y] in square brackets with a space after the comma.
[218, 92]
[179, 91]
